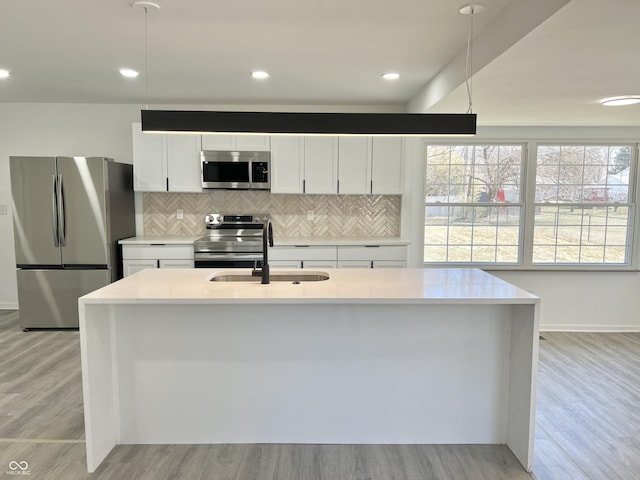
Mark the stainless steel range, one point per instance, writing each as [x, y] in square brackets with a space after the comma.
[232, 241]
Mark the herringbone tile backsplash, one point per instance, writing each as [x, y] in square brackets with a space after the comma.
[334, 215]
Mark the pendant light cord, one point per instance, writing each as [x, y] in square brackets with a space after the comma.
[468, 64]
[146, 58]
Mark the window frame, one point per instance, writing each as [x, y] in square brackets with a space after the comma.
[527, 205]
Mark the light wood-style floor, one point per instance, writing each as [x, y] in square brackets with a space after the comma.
[588, 425]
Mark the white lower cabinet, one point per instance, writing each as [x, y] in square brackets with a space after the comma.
[354, 263]
[303, 256]
[176, 263]
[319, 264]
[372, 256]
[389, 264]
[285, 263]
[129, 267]
[140, 256]
[331, 256]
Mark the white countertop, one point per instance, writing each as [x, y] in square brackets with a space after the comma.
[159, 240]
[278, 240]
[403, 285]
[317, 241]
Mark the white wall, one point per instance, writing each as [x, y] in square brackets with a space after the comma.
[591, 301]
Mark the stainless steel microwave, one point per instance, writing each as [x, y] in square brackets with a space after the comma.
[236, 170]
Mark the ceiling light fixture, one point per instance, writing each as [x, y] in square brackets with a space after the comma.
[128, 73]
[259, 75]
[4, 73]
[146, 6]
[308, 123]
[622, 100]
[470, 9]
[391, 76]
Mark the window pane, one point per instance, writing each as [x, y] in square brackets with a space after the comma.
[585, 224]
[465, 186]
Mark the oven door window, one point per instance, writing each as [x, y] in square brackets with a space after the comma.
[225, 172]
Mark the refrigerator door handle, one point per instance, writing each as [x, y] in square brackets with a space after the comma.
[62, 223]
[54, 213]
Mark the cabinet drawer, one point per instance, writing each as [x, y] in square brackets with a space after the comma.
[303, 253]
[157, 252]
[373, 252]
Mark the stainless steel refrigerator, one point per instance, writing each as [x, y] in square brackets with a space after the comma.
[68, 215]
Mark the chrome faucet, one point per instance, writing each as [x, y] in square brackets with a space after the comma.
[267, 241]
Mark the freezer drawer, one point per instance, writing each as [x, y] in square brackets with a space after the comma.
[49, 298]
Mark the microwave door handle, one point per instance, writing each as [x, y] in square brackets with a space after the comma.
[62, 220]
[54, 210]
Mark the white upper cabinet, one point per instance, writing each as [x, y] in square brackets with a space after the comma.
[183, 163]
[165, 162]
[386, 165]
[257, 143]
[149, 161]
[287, 165]
[320, 164]
[354, 165]
[345, 165]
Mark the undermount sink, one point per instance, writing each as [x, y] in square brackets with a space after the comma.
[294, 277]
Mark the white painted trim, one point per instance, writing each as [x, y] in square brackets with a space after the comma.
[568, 327]
[9, 306]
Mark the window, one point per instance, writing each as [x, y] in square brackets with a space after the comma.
[473, 204]
[582, 210]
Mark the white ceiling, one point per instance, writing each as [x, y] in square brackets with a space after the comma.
[531, 70]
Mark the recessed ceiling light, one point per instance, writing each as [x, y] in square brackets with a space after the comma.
[128, 72]
[259, 75]
[4, 73]
[622, 100]
[391, 76]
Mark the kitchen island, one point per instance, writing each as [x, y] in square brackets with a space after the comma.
[402, 356]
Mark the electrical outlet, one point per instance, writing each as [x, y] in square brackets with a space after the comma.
[3, 208]
[179, 214]
[310, 215]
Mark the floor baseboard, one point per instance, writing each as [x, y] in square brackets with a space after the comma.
[591, 328]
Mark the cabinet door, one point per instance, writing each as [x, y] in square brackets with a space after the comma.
[258, 143]
[176, 263]
[287, 167]
[129, 267]
[149, 161]
[386, 165]
[183, 163]
[218, 142]
[321, 164]
[354, 263]
[319, 264]
[389, 264]
[354, 165]
[285, 263]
